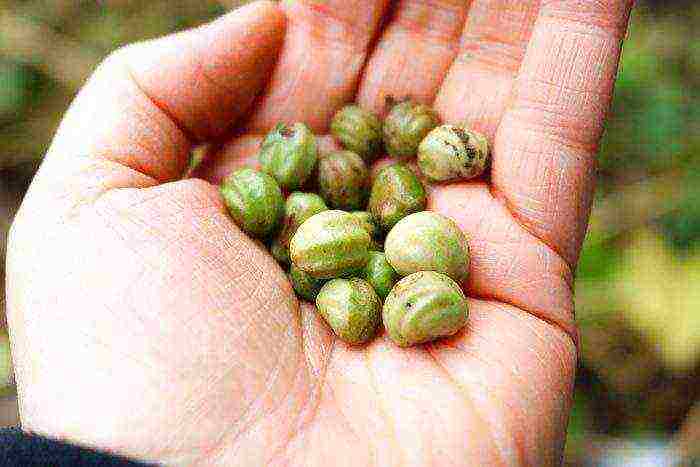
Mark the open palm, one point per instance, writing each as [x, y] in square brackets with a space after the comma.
[143, 321]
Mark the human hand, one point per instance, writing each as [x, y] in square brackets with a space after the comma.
[144, 322]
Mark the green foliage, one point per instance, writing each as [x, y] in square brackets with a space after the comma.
[656, 99]
[598, 261]
[20, 86]
[640, 259]
[580, 424]
[682, 225]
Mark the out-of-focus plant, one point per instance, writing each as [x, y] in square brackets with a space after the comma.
[661, 299]
[48, 49]
[636, 281]
[655, 98]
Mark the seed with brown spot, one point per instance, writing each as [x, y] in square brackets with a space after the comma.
[452, 152]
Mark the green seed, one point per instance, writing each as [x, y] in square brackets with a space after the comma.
[452, 152]
[289, 155]
[406, 126]
[298, 208]
[423, 307]
[376, 245]
[330, 244]
[254, 200]
[359, 131]
[427, 241]
[280, 252]
[396, 193]
[351, 308]
[343, 179]
[304, 285]
[368, 222]
[380, 274]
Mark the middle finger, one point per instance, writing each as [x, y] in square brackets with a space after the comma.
[320, 63]
[480, 80]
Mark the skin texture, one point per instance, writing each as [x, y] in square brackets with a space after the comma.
[141, 288]
[423, 307]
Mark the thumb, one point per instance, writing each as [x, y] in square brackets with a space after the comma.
[149, 102]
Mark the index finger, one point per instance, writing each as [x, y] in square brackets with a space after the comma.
[320, 63]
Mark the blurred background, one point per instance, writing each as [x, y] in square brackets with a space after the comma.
[637, 398]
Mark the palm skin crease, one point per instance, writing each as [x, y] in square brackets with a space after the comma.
[144, 322]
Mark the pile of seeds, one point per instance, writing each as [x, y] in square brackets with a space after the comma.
[351, 243]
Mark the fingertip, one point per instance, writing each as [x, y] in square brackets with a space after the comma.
[265, 11]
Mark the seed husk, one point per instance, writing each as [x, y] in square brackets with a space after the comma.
[343, 180]
[379, 273]
[304, 284]
[280, 252]
[405, 127]
[297, 209]
[359, 131]
[368, 222]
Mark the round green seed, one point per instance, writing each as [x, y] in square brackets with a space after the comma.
[297, 209]
[368, 222]
[423, 307]
[359, 131]
[453, 152]
[330, 244]
[305, 286]
[351, 308]
[428, 241]
[380, 274]
[289, 155]
[280, 252]
[396, 193]
[254, 200]
[343, 180]
[405, 127]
